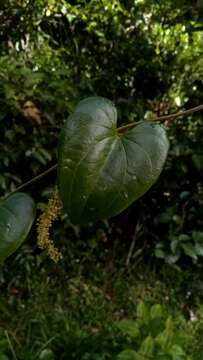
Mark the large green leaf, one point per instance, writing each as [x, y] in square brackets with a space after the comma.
[17, 213]
[101, 172]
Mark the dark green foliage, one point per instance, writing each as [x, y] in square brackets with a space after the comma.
[101, 171]
[146, 56]
[17, 214]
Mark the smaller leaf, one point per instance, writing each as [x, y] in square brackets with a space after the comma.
[164, 340]
[3, 357]
[184, 195]
[2, 182]
[156, 311]
[177, 219]
[172, 259]
[147, 347]
[184, 237]
[17, 213]
[159, 253]
[142, 312]
[45, 153]
[46, 354]
[197, 236]
[177, 352]
[197, 161]
[129, 327]
[199, 249]
[189, 250]
[163, 218]
[169, 324]
[128, 355]
[39, 157]
[174, 245]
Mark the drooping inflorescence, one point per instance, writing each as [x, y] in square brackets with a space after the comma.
[44, 224]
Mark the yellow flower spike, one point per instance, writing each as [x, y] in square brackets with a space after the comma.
[44, 224]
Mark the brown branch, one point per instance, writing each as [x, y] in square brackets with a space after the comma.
[163, 118]
[119, 130]
[36, 178]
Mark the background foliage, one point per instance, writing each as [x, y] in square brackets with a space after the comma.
[146, 56]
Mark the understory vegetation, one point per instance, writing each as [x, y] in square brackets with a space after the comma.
[129, 287]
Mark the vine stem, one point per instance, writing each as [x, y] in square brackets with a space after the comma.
[119, 130]
[36, 178]
[163, 118]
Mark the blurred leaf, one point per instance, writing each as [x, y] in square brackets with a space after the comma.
[199, 249]
[174, 245]
[197, 236]
[45, 153]
[128, 355]
[177, 353]
[156, 311]
[129, 327]
[189, 250]
[172, 259]
[36, 155]
[159, 253]
[147, 347]
[46, 354]
[184, 237]
[142, 312]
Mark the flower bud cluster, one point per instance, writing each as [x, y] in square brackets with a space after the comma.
[44, 224]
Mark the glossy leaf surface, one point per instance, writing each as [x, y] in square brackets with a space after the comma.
[17, 213]
[101, 172]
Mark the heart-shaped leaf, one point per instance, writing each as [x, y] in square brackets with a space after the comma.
[101, 171]
[17, 213]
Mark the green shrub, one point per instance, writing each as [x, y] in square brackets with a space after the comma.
[190, 245]
[155, 335]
